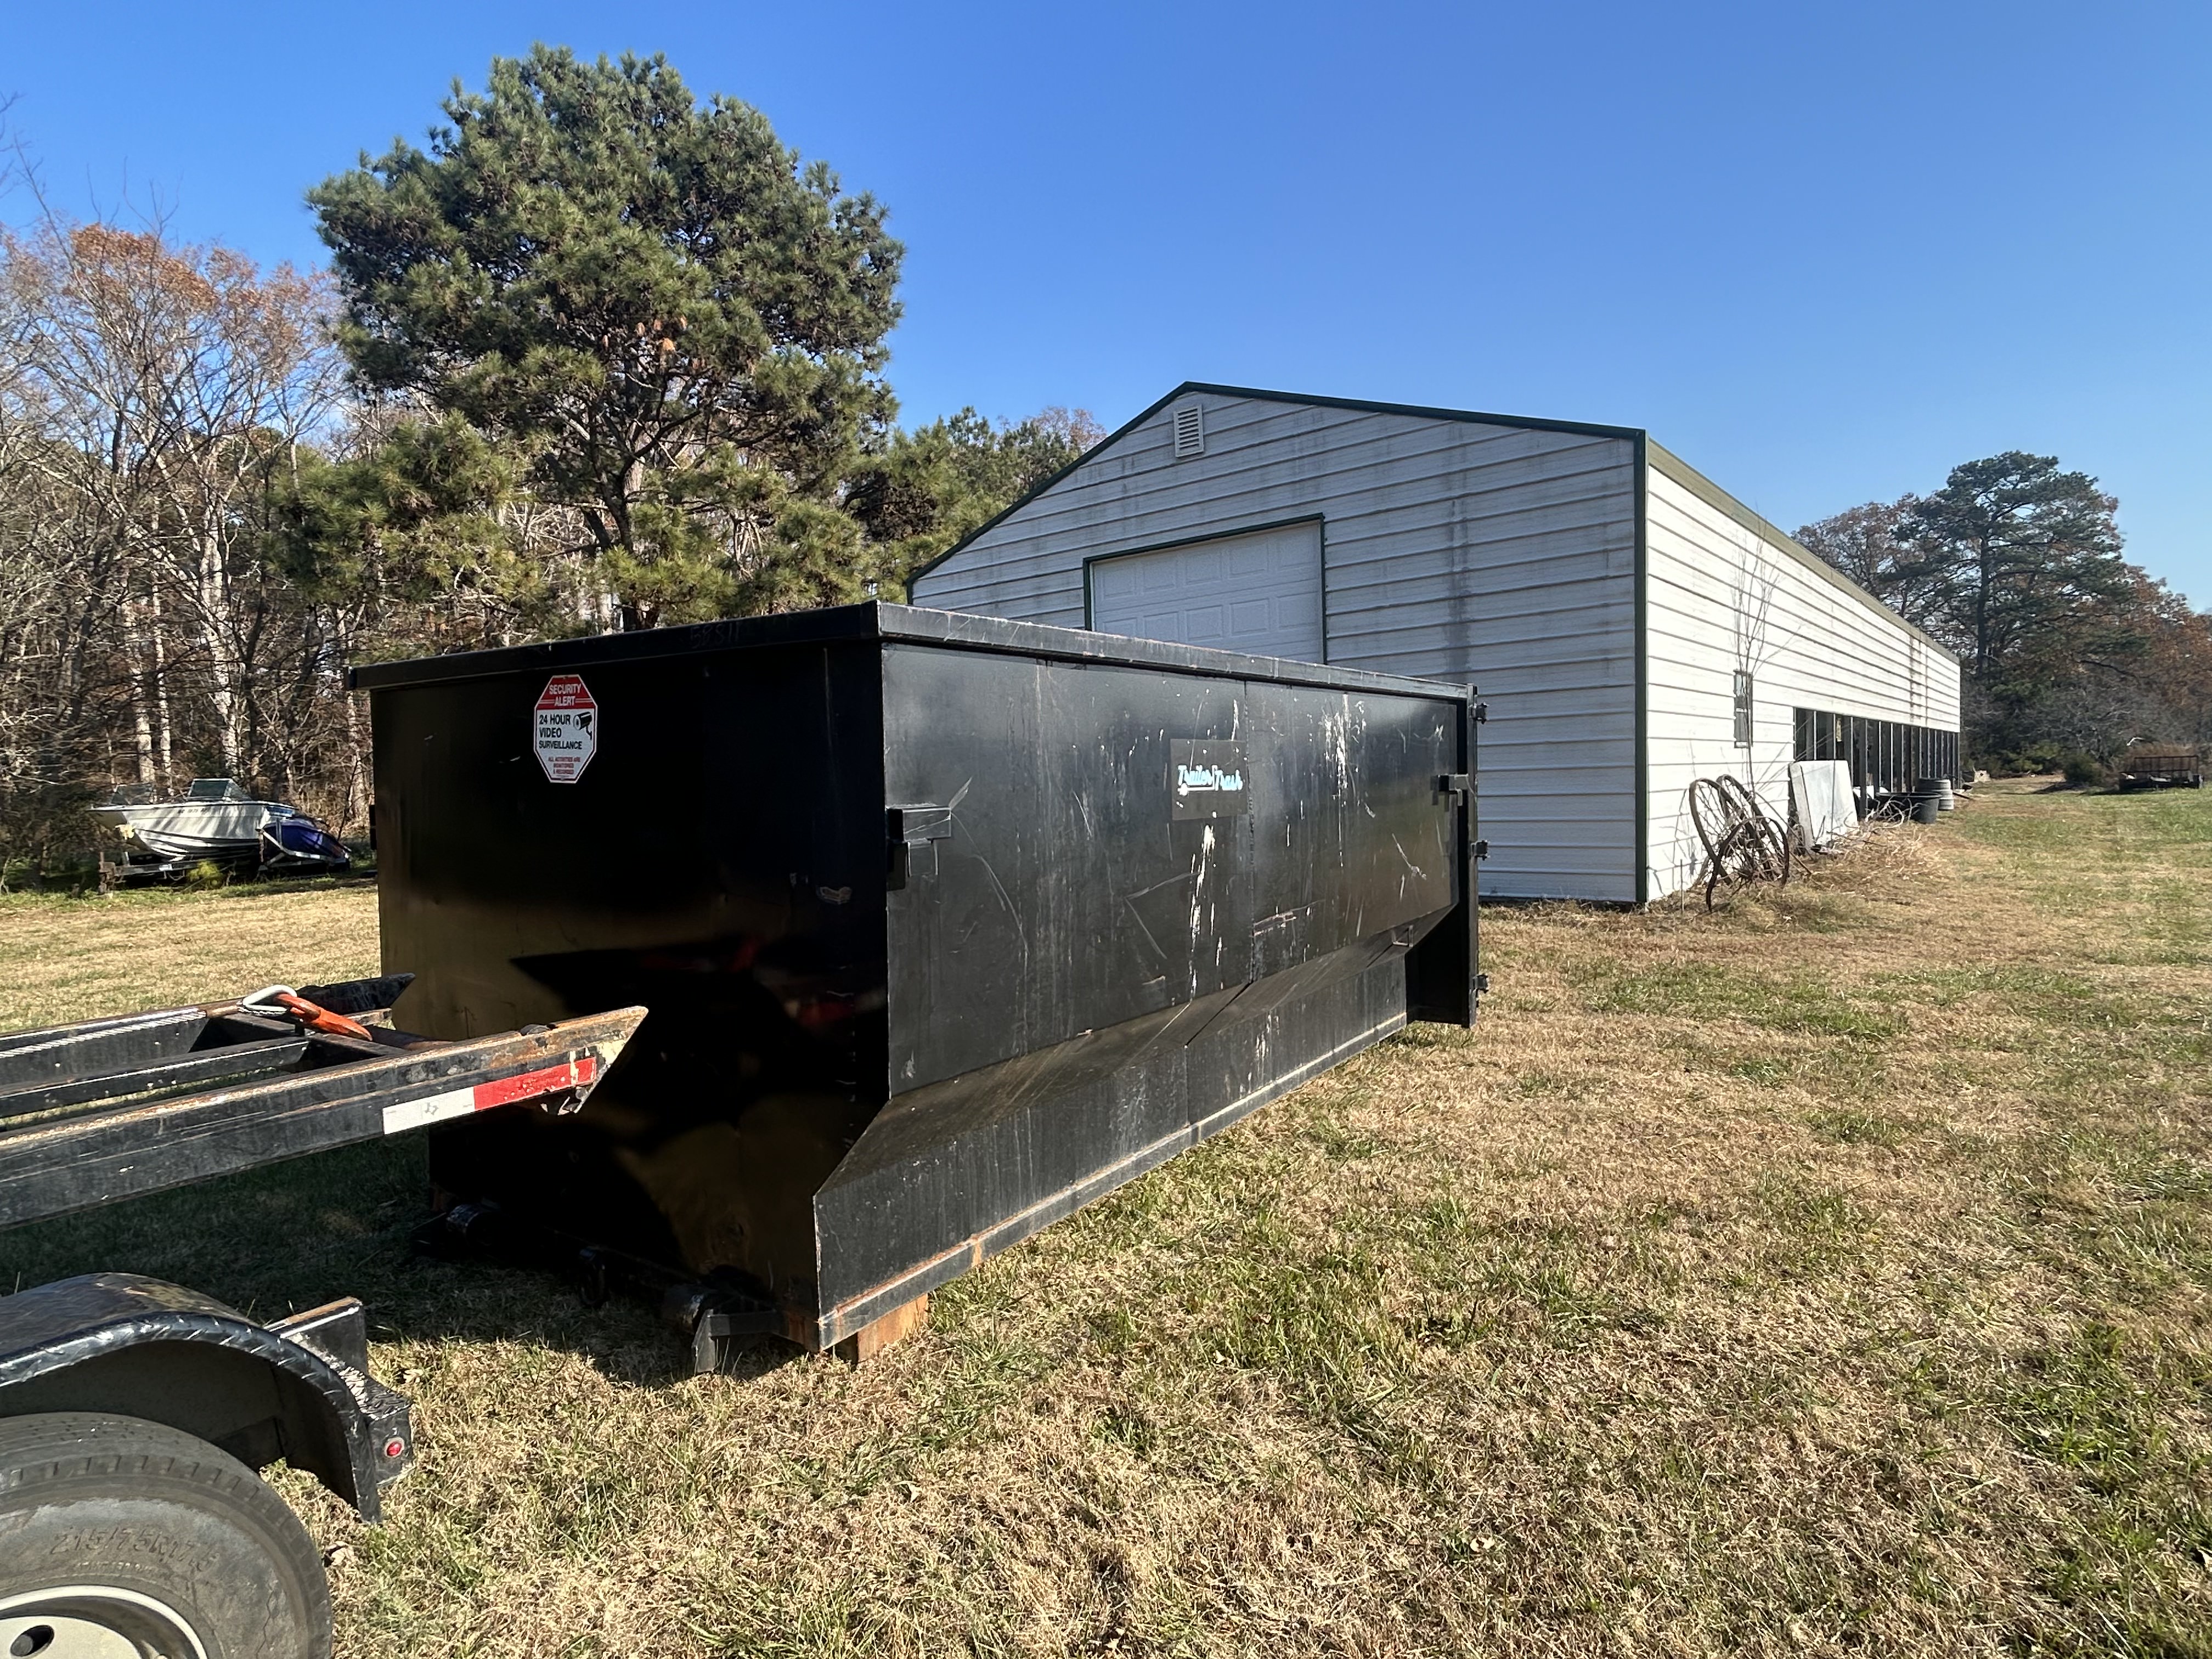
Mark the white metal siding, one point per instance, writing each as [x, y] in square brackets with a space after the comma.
[1453, 549]
[1719, 597]
[1259, 593]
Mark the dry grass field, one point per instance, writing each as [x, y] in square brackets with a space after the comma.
[1826, 1275]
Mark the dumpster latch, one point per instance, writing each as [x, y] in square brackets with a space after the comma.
[1451, 783]
[913, 832]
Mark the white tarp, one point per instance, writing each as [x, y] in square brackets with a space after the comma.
[1822, 792]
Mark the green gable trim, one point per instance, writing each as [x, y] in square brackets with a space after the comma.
[1259, 394]
[1420, 411]
[1713, 496]
[1642, 851]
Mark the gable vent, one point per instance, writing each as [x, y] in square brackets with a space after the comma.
[1189, 431]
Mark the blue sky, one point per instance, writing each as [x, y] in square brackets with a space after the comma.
[1823, 253]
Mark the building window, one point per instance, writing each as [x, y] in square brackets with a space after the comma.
[1886, 757]
[1742, 709]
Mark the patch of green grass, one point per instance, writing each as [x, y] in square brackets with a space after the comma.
[2128, 1561]
[1851, 1126]
[989, 1370]
[1706, 992]
[1339, 1142]
[2121, 1210]
[1129, 1428]
[1811, 1229]
[1559, 1085]
[1318, 1324]
[1421, 1035]
[2028, 988]
[1768, 1071]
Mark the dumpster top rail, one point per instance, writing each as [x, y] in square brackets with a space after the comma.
[880, 620]
[114, 1108]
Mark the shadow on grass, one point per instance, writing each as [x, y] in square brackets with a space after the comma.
[276, 1241]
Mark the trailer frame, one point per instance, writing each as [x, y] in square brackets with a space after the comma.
[102, 1110]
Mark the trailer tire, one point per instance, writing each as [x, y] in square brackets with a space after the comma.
[113, 1531]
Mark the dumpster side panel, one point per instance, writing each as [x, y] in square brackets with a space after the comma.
[916, 1209]
[1159, 900]
[1119, 841]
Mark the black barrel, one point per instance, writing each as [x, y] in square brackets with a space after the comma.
[948, 924]
[1939, 788]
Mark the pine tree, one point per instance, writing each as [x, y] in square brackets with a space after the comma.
[657, 316]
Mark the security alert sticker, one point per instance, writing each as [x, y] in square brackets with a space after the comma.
[568, 731]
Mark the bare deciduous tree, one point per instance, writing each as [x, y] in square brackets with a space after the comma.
[155, 400]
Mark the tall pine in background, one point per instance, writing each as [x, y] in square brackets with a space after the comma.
[2015, 565]
[657, 323]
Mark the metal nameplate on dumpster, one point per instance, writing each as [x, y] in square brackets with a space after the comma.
[1207, 779]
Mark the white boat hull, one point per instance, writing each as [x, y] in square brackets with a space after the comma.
[192, 830]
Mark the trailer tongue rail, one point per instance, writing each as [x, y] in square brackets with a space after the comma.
[114, 1108]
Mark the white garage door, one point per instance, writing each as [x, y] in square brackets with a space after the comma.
[1259, 592]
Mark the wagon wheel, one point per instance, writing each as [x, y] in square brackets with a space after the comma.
[1758, 825]
[1708, 816]
[1742, 815]
[1776, 830]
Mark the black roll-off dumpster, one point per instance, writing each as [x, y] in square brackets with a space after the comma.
[948, 924]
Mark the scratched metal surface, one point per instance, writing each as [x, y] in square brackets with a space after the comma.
[1145, 888]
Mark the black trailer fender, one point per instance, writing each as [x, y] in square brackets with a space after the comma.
[132, 1347]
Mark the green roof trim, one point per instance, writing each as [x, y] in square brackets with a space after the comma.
[1713, 496]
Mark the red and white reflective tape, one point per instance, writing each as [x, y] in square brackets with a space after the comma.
[577, 1073]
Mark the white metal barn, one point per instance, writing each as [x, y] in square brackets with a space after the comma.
[1631, 626]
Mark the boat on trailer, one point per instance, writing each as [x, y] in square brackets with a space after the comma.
[220, 823]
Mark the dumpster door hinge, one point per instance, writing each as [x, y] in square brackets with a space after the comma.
[1481, 713]
[911, 830]
[1482, 849]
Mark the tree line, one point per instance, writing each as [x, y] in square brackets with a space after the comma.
[601, 356]
[2068, 653]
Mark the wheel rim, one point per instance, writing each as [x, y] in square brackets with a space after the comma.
[94, 1622]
